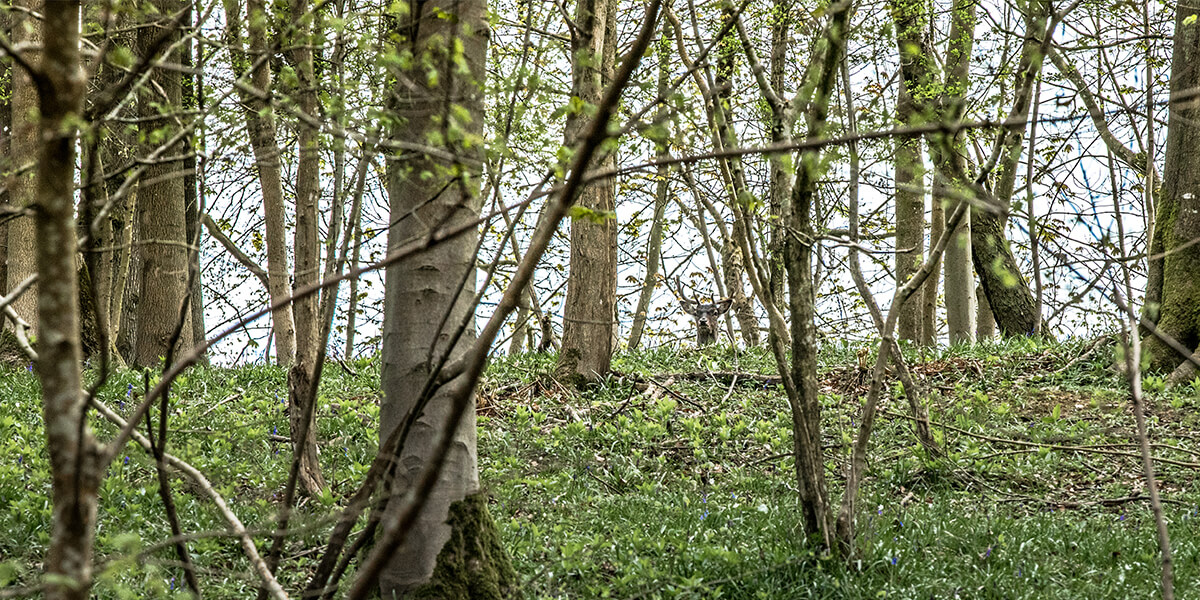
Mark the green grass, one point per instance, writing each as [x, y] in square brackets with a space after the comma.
[617, 492]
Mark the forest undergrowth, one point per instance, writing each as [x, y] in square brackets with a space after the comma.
[672, 477]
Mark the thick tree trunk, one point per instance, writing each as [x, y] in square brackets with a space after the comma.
[1008, 293]
[161, 216]
[910, 215]
[73, 452]
[780, 190]
[732, 261]
[7, 69]
[22, 187]
[424, 306]
[942, 101]
[1173, 299]
[588, 311]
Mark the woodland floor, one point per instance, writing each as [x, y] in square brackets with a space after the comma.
[672, 479]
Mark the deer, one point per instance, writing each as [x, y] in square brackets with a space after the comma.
[705, 314]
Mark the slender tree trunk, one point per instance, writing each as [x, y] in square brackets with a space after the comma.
[661, 196]
[586, 351]
[192, 96]
[1173, 299]
[818, 518]
[781, 178]
[929, 293]
[429, 296]
[161, 214]
[306, 248]
[732, 261]
[22, 187]
[260, 123]
[73, 452]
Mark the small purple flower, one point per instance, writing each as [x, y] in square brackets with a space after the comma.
[895, 559]
[126, 459]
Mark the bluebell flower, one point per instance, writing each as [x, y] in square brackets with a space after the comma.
[895, 559]
[126, 459]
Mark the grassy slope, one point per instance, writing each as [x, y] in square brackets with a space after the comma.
[616, 492]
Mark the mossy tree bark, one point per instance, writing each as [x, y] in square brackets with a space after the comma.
[588, 310]
[429, 299]
[1008, 292]
[1173, 295]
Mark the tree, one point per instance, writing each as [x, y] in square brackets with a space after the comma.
[662, 192]
[911, 30]
[22, 188]
[260, 123]
[161, 220]
[73, 450]
[429, 303]
[1008, 293]
[306, 249]
[1173, 289]
[592, 278]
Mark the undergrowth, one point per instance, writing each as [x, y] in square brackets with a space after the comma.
[672, 478]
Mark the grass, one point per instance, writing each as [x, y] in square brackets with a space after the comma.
[623, 491]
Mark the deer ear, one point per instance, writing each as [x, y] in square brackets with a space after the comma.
[723, 305]
[688, 307]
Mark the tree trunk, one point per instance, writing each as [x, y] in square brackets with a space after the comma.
[161, 216]
[780, 190]
[73, 452]
[1008, 293]
[22, 187]
[307, 249]
[942, 101]
[586, 352]
[424, 306]
[661, 195]
[191, 198]
[732, 261]
[910, 215]
[260, 123]
[7, 70]
[1173, 300]
[985, 321]
[818, 518]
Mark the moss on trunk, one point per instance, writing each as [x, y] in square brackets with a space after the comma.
[472, 565]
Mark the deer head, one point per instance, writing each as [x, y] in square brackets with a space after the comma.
[704, 313]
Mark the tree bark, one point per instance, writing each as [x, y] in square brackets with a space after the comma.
[662, 191]
[429, 300]
[22, 187]
[586, 351]
[260, 123]
[161, 216]
[1008, 293]
[307, 251]
[73, 451]
[1173, 298]
[818, 518]
[910, 215]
